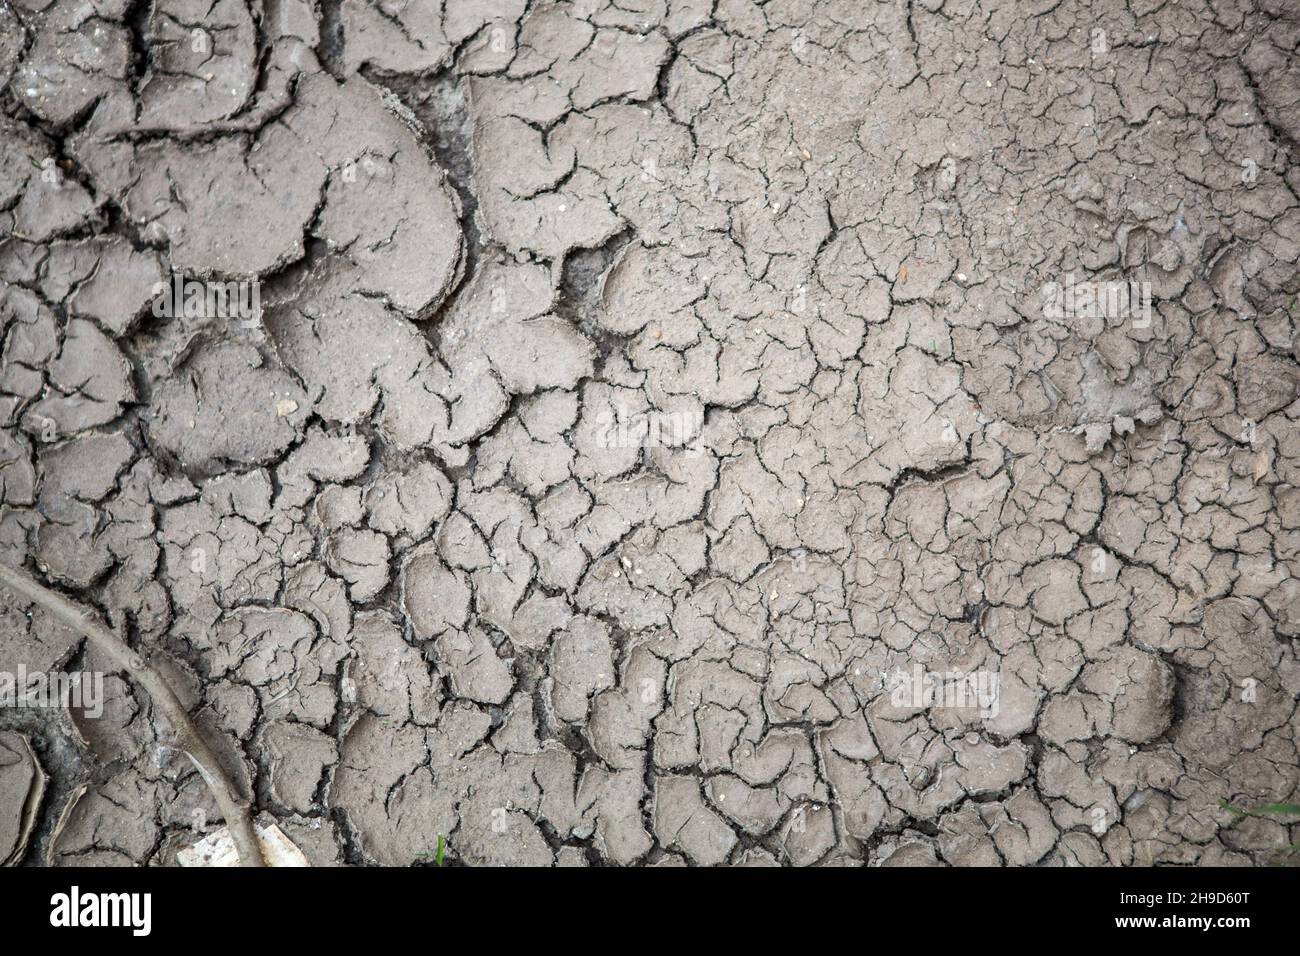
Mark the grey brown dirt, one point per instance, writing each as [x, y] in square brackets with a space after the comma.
[646, 401]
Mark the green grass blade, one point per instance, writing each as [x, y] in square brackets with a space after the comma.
[1272, 808]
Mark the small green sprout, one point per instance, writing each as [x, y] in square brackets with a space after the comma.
[432, 856]
[1292, 809]
[1272, 809]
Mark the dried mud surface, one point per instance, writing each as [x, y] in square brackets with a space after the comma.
[390, 552]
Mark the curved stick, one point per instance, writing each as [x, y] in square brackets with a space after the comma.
[238, 815]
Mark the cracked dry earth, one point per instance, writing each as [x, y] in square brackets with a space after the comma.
[389, 553]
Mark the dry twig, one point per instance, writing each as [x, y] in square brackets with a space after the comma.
[233, 807]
